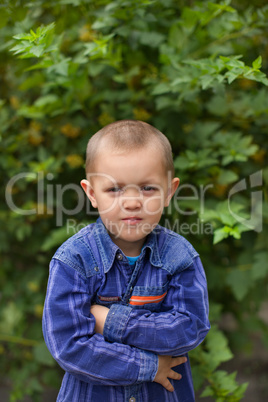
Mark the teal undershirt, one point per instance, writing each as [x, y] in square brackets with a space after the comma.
[132, 260]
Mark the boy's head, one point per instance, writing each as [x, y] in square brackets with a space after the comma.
[126, 135]
[130, 179]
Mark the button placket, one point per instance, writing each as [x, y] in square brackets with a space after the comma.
[132, 393]
[131, 283]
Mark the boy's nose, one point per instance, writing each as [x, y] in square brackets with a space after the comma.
[132, 198]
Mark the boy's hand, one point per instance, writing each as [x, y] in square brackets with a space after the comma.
[165, 363]
[100, 314]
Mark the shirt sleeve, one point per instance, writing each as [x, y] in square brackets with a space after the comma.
[179, 327]
[68, 330]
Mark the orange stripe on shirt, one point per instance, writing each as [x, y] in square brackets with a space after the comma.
[140, 300]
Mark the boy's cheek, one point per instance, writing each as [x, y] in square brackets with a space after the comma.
[154, 205]
[107, 208]
[147, 228]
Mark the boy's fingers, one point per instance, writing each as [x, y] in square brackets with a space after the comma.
[174, 375]
[167, 384]
[178, 360]
[165, 371]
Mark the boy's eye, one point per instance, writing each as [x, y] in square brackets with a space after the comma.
[148, 189]
[114, 189]
[144, 189]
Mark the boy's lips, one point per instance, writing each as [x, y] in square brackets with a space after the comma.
[132, 220]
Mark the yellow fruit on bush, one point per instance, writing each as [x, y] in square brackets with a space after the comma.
[74, 160]
[105, 119]
[70, 131]
[141, 114]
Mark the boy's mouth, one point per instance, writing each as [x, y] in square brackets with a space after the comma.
[132, 220]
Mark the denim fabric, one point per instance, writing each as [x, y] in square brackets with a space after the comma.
[159, 307]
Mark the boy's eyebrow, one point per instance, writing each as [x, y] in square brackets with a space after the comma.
[115, 183]
[111, 183]
[150, 181]
[143, 183]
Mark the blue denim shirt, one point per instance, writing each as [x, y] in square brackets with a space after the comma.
[158, 308]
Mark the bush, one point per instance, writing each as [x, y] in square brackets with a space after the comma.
[195, 70]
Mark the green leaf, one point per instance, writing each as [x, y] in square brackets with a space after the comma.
[224, 386]
[11, 317]
[227, 219]
[235, 232]
[233, 61]
[56, 237]
[42, 355]
[257, 63]
[189, 18]
[240, 281]
[46, 100]
[219, 235]
[43, 64]
[208, 391]
[227, 177]
[24, 36]
[260, 266]
[231, 76]
[182, 163]
[258, 76]
[152, 39]
[34, 44]
[206, 81]
[215, 310]
[21, 48]
[61, 68]
[161, 89]
[37, 50]
[217, 344]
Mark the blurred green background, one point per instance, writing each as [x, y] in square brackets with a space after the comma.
[197, 71]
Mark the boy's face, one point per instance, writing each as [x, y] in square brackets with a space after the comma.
[130, 190]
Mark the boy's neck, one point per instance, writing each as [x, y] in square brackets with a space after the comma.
[130, 249]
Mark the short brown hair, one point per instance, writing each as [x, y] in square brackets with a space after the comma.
[129, 135]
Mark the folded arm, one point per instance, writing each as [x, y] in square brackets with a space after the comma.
[181, 325]
[70, 336]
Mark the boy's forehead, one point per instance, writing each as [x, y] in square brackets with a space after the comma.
[147, 156]
[128, 166]
[108, 148]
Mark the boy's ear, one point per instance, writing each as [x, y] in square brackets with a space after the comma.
[88, 189]
[171, 190]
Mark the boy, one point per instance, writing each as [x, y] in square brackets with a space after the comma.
[126, 298]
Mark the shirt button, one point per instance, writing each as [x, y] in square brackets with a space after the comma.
[96, 269]
[119, 257]
[132, 399]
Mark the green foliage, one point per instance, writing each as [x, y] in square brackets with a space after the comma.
[197, 71]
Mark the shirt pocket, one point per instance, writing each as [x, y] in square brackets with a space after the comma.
[107, 301]
[148, 297]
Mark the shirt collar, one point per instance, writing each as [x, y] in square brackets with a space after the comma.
[108, 250]
[152, 244]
